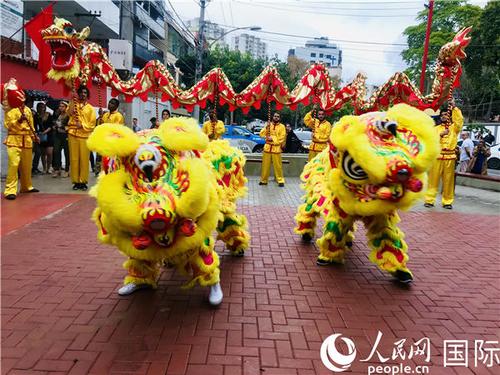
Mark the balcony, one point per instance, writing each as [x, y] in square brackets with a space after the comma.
[143, 54]
[151, 17]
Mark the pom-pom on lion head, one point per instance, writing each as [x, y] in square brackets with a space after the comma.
[380, 159]
[158, 196]
[12, 95]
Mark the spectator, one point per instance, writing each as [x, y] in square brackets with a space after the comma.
[135, 126]
[489, 139]
[165, 115]
[37, 149]
[478, 164]
[44, 122]
[154, 123]
[465, 151]
[293, 143]
[61, 141]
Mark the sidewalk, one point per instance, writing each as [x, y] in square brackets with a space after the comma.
[61, 313]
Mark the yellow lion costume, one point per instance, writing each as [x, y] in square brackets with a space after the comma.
[163, 194]
[375, 165]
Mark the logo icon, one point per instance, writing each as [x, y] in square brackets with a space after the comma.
[332, 358]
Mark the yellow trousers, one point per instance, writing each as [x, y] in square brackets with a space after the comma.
[79, 159]
[20, 159]
[445, 170]
[266, 167]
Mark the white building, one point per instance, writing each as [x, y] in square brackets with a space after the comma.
[321, 50]
[213, 32]
[246, 43]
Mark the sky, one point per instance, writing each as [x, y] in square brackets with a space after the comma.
[369, 32]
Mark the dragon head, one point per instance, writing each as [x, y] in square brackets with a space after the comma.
[65, 43]
[12, 96]
[454, 51]
[156, 199]
[379, 159]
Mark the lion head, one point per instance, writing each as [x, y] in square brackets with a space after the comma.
[12, 96]
[379, 160]
[65, 43]
[158, 197]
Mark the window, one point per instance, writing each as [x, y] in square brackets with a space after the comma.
[240, 131]
[320, 55]
[313, 54]
[328, 56]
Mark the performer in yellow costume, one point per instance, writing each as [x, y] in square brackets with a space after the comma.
[444, 167]
[19, 142]
[113, 116]
[81, 124]
[316, 120]
[275, 135]
[213, 128]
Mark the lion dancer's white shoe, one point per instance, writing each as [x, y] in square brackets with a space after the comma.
[131, 288]
[215, 296]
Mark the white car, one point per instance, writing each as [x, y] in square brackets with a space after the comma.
[494, 159]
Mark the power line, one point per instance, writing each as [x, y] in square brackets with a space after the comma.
[302, 10]
[180, 19]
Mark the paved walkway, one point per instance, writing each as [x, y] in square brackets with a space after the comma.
[61, 313]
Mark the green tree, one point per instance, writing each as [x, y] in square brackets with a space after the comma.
[448, 18]
[241, 69]
[480, 82]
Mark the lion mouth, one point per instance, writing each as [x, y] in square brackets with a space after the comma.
[63, 53]
[390, 193]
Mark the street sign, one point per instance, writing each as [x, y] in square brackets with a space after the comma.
[120, 54]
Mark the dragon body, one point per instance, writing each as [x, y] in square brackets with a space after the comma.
[76, 61]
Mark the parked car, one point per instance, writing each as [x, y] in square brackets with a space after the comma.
[305, 137]
[494, 159]
[243, 139]
[257, 128]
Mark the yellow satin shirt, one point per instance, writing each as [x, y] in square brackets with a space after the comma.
[19, 134]
[113, 118]
[87, 119]
[214, 131]
[278, 137]
[449, 141]
[320, 132]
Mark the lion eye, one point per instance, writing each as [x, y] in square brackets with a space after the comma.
[352, 169]
[69, 30]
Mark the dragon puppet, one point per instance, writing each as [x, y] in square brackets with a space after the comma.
[375, 165]
[164, 193]
[77, 62]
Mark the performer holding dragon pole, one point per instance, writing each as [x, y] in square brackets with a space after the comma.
[275, 135]
[81, 122]
[213, 128]
[321, 127]
[444, 167]
[19, 141]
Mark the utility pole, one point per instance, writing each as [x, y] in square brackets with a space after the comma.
[199, 52]
[426, 45]
[201, 35]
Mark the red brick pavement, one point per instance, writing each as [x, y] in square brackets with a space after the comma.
[61, 313]
[30, 207]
